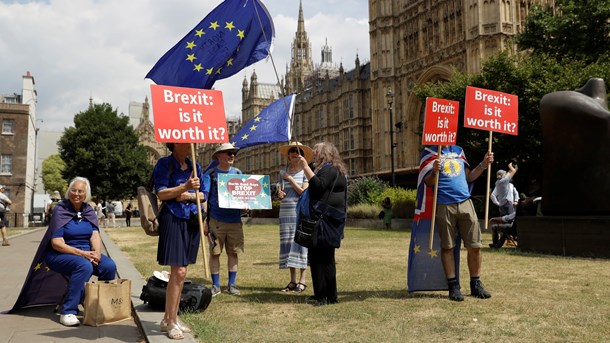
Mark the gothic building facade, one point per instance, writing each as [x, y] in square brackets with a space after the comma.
[411, 42]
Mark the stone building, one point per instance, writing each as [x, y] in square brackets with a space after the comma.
[18, 149]
[411, 42]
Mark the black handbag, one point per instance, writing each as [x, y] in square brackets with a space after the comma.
[311, 231]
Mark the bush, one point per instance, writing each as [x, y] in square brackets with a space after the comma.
[365, 190]
[274, 212]
[403, 201]
[363, 211]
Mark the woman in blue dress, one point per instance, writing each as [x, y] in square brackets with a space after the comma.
[294, 182]
[179, 234]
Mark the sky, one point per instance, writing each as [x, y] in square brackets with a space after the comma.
[102, 49]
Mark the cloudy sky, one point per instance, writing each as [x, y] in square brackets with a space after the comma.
[77, 49]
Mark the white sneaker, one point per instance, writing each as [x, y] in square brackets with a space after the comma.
[69, 320]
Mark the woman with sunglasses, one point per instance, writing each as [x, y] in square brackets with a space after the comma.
[293, 182]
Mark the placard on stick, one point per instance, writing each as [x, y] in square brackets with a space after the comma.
[491, 111]
[188, 115]
[441, 122]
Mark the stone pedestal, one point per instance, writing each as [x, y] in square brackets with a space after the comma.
[567, 236]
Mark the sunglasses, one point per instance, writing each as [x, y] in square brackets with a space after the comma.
[231, 153]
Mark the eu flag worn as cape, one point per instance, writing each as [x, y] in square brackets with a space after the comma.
[236, 34]
[43, 286]
[425, 271]
[272, 125]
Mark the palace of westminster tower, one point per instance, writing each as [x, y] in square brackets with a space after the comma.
[411, 42]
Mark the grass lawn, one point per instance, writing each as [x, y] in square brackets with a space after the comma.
[536, 298]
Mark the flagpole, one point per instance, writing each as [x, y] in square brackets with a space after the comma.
[488, 182]
[204, 250]
[434, 198]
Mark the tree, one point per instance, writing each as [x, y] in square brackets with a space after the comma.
[52, 178]
[104, 148]
[576, 29]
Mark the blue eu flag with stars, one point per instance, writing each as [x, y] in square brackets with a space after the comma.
[272, 125]
[233, 36]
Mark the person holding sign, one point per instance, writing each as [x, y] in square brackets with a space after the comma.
[179, 235]
[224, 227]
[455, 214]
[294, 182]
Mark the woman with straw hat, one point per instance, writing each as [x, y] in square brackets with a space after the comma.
[293, 182]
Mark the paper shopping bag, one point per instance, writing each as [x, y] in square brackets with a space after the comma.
[107, 301]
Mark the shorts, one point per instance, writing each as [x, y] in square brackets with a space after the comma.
[228, 235]
[460, 218]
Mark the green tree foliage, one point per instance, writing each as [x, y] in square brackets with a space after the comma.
[102, 147]
[576, 30]
[52, 178]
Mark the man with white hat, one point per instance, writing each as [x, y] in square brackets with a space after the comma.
[4, 203]
[224, 227]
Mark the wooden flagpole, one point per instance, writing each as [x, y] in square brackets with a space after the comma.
[204, 250]
[434, 198]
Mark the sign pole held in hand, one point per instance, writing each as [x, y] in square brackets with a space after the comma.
[204, 250]
[494, 112]
[440, 128]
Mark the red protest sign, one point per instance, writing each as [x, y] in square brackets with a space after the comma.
[441, 122]
[188, 115]
[490, 110]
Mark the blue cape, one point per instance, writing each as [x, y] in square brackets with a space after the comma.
[43, 286]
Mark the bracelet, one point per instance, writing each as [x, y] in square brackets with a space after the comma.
[481, 165]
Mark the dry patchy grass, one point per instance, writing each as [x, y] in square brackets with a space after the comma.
[536, 298]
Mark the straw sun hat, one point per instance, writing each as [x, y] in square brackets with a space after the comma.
[307, 151]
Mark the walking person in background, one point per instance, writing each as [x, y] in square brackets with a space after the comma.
[99, 211]
[4, 204]
[111, 214]
[327, 183]
[179, 234]
[294, 182]
[128, 213]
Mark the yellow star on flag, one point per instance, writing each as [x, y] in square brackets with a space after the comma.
[241, 34]
[257, 119]
[191, 45]
[416, 248]
[199, 33]
[263, 195]
[209, 71]
[229, 26]
[244, 137]
[432, 253]
[221, 183]
[198, 67]
[230, 62]
[253, 128]
[38, 266]
[218, 71]
[214, 25]
[191, 57]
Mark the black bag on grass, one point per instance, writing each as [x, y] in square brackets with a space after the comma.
[194, 297]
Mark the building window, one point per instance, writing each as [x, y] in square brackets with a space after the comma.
[6, 164]
[8, 126]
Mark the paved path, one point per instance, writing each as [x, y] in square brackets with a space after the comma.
[41, 324]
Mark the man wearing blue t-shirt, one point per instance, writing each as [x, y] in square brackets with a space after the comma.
[455, 214]
[224, 227]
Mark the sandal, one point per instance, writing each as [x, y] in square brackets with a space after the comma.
[289, 287]
[163, 327]
[175, 332]
[5, 243]
[300, 287]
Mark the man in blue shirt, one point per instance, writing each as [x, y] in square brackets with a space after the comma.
[455, 214]
[223, 225]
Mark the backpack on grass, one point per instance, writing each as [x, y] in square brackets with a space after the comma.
[194, 297]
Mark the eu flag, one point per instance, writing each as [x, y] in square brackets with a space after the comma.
[425, 270]
[233, 36]
[270, 126]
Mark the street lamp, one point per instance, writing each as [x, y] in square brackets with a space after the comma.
[390, 98]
